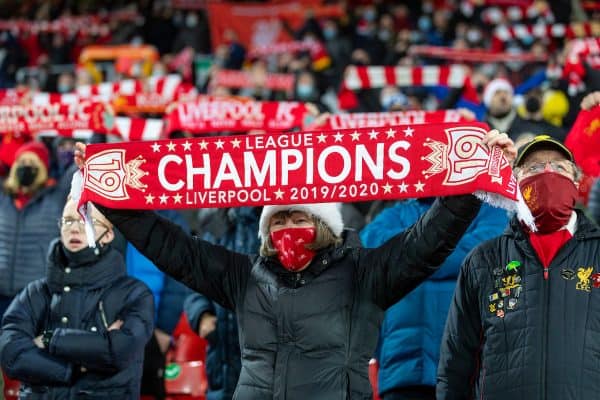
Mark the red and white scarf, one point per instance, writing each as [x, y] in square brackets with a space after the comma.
[373, 77]
[166, 86]
[235, 115]
[57, 117]
[504, 33]
[384, 119]
[582, 50]
[356, 78]
[304, 167]
[230, 78]
[474, 55]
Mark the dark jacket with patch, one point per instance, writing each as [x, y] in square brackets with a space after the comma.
[513, 334]
[308, 334]
[84, 360]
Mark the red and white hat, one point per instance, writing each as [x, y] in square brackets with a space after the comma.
[494, 86]
[329, 213]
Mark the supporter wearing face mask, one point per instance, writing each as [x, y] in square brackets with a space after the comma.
[64, 149]
[80, 331]
[523, 319]
[309, 307]
[29, 206]
[498, 98]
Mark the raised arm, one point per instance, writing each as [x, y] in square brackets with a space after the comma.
[212, 270]
[403, 262]
[399, 265]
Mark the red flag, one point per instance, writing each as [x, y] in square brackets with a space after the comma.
[584, 141]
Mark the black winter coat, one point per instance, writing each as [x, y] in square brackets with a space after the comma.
[513, 334]
[308, 334]
[79, 302]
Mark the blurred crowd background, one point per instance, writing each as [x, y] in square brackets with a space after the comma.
[528, 64]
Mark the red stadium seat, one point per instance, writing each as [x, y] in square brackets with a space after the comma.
[185, 373]
[11, 388]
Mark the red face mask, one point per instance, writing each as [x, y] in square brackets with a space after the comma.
[290, 244]
[551, 198]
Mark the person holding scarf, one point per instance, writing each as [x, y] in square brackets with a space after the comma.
[524, 320]
[79, 332]
[310, 306]
[30, 204]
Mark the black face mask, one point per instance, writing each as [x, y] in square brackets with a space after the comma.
[26, 174]
[532, 105]
[87, 255]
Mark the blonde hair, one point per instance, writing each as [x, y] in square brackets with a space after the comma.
[324, 238]
[11, 184]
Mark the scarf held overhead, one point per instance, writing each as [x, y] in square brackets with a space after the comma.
[392, 118]
[303, 167]
[57, 116]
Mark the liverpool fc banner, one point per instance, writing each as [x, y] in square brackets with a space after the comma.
[304, 167]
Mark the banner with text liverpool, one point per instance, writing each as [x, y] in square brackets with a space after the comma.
[346, 166]
[392, 118]
[235, 115]
[60, 117]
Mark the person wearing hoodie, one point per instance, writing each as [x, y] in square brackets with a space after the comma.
[80, 331]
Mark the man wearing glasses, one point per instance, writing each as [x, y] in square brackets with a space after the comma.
[79, 332]
[525, 319]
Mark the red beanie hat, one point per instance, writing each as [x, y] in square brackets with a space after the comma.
[37, 148]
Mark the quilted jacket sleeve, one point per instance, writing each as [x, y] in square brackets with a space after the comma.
[458, 365]
[114, 350]
[407, 259]
[20, 358]
[216, 272]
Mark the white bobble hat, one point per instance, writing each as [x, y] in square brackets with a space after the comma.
[329, 213]
[494, 86]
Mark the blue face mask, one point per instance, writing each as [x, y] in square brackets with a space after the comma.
[304, 91]
[424, 24]
[64, 158]
[63, 88]
[329, 33]
[370, 15]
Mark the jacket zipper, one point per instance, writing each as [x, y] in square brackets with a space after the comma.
[11, 282]
[545, 315]
[103, 315]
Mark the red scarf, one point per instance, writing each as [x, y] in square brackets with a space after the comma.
[335, 166]
[392, 118]
[235, 115]
[547, 245]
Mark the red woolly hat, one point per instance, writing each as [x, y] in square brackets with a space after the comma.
[36, 148]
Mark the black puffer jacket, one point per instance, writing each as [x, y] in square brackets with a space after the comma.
[78, 302]
[513, 334]
[308, 334]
